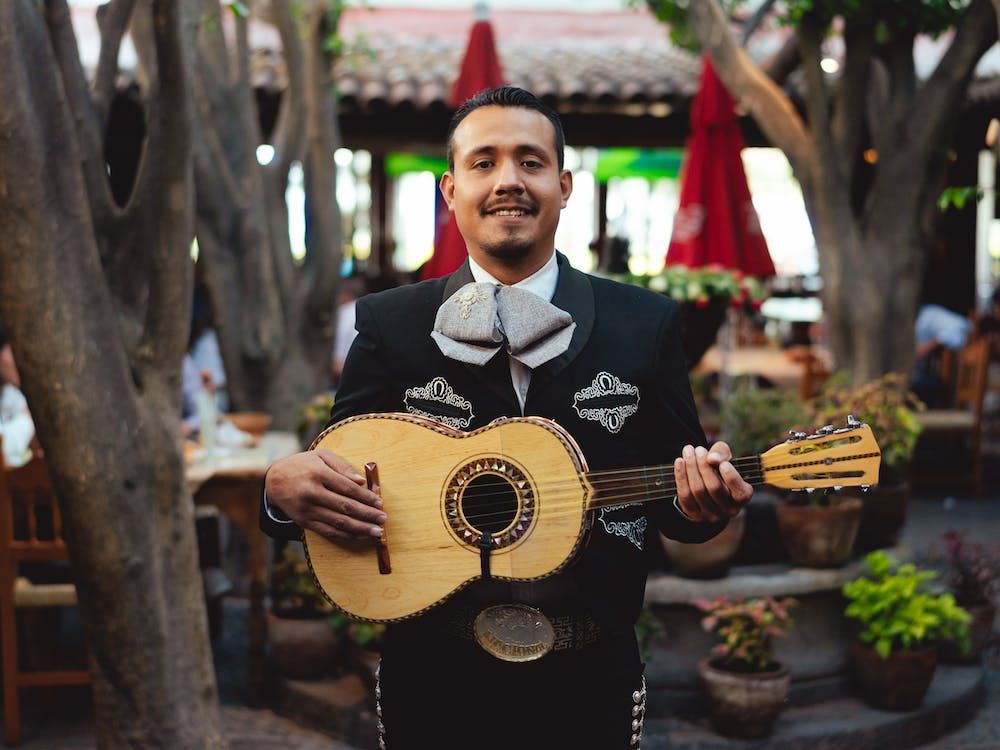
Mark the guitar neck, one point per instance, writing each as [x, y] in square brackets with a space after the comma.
[645, 483]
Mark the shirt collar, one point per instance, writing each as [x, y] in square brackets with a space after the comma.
[541, 283]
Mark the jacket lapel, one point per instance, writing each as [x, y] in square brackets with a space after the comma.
[575, 295]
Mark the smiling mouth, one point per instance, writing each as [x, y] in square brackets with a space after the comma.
[510, 213]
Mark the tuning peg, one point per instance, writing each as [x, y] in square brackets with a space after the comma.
[865, 487]
[853, 421]
[810, 490]
[795, 435]
[837, 488]
[825, 430]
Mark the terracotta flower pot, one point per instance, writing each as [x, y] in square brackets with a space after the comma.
[303, 649]
[883, 515]
[744, 704]
[820, 536]
[709, 559]
[898, 683]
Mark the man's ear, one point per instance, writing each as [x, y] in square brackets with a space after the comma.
[448, 188]
[565, 185]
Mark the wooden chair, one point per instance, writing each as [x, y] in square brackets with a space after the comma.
[30, 530]
[965, 419]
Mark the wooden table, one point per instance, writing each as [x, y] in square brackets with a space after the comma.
[232, 479]
[780, 367]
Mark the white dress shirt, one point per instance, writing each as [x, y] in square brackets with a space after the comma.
[541, 283]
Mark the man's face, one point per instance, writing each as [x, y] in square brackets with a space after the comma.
[506, 188]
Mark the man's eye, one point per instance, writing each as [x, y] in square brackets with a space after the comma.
[482, 165]
[531, 164]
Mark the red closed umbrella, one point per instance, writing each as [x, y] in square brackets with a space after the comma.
[480, 70]
[716, 223]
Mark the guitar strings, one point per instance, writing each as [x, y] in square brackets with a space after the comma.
[576, 508]
[612, 477]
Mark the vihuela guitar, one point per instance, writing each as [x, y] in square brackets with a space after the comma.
[516, 496]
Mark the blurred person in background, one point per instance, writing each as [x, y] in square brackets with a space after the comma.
[16, 426]
[937, 329]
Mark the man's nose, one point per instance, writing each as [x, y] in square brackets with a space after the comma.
[508, 179]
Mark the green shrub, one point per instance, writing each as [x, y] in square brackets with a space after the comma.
[754, 419]
[898, 611]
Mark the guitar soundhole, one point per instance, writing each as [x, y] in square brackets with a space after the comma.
[489, 494]
[489, 503]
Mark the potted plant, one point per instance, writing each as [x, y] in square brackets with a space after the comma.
[754, 419]
[902, 622]
[305, 638]
[312, 417]
[973, 576]
[704, 293]
[890, 409]
[746, 686]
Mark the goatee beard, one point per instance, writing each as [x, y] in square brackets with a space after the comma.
[508, 253]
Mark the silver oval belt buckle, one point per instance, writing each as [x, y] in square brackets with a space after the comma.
[514, 632]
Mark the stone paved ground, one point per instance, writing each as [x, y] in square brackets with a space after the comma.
[59, 720]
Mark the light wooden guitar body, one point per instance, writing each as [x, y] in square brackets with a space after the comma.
[435, 484]
[520, 489]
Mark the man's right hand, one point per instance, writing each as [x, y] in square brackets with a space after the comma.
[320, 491]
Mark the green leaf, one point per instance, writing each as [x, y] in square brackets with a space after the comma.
[240, 10]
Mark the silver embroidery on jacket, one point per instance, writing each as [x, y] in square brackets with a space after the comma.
[607, 400]
[634, 530]
[437, 400]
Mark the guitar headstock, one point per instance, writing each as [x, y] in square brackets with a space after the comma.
[844, 457]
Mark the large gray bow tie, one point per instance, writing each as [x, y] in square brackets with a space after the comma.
[474, 322]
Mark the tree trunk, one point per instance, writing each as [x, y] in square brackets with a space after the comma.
[275, 320]
[871, 248]
[106, 413]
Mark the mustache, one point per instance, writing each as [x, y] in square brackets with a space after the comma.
[527, 206]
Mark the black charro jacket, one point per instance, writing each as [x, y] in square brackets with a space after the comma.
[624, 335]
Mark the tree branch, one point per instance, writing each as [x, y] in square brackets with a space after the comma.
[817, 96]
[783, 63]
[768, 104]
[290, 131]
[901, 88]
[324, 251]
[849, 103]
[102, 203]
[940, 95]
[171, 197]
[755, 21]
[112, 19]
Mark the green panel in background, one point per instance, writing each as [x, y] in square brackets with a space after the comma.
[400, 164]
[652, 164]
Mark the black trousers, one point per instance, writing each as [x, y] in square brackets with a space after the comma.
[449, 694]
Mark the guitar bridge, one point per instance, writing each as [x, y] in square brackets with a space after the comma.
[381, 544]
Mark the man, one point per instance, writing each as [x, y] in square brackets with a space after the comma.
[613, 376]
[17, 429]
[936, 329]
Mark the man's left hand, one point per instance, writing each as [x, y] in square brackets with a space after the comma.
[709, 488]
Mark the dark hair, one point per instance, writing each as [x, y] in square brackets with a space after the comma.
[505, 96]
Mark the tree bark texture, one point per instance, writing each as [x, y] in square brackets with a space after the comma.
[101, 371]
[274, 317]
[872, 248]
